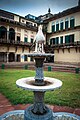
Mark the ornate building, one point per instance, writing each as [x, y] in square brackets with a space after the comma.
[62, 32]
[16, 37]
[63, 35]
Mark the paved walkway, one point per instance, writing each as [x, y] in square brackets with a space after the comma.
[5, 106]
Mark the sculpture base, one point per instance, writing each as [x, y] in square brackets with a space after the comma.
[29, 115]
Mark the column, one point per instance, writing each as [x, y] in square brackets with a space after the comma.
[7, 33]
[15, 33]
[63, 39]
[15, 57]
[39, 77]
[7, 57]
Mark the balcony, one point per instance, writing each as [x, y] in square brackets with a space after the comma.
[13, 42]
[51, 48]
[66, 45]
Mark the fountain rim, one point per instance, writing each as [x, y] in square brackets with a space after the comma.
[55, 84]
[35, 54]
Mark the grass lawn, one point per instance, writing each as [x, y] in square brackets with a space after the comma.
[67, 95]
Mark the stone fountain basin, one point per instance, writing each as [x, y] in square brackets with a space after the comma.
[19, 115]
[28, 84]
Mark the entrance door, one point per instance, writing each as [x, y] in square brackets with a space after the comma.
[11, 57]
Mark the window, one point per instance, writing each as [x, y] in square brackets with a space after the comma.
[18, 38]
[25, 39]
[51, 41]
[67, 39]
[25, 57]
[57, 26]
[72, 38]
[3, 32]
[72, 22]
[57, 40]
[31, 58]
[66, 23]
[53, 27]
[61, 25]
[61, 40]
[31, 40]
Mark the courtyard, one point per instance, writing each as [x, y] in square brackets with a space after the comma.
[67, 95]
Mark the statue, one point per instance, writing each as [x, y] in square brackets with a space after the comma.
[39, 40]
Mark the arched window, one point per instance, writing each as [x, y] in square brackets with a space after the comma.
[11, 35]
[3, 33]
[11, 57]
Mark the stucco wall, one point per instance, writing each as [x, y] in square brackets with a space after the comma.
[66, 56]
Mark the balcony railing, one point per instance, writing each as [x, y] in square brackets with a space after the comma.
[77, 43]
[14, 42]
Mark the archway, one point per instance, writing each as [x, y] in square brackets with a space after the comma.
[3, 57]
[11, 35]
[3, 33]
[11, 57]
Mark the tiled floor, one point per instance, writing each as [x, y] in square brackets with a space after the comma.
[5, 106]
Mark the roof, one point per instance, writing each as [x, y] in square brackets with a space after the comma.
[64, 13]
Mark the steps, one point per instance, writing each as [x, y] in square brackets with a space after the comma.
[31, 66]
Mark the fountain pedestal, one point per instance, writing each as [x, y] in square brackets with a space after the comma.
[39, 77]
[38, 110]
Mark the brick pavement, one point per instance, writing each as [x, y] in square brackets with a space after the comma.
[6, 106]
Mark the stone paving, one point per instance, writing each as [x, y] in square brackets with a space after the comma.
[6, 106]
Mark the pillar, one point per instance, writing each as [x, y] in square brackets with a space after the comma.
[7, 57]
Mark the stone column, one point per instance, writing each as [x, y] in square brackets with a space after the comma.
[39, 77]
[7, 57]
[7, 33]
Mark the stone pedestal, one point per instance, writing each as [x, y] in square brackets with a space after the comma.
[39, 77]
[29, 115]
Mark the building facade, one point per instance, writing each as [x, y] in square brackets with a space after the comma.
[63, 35]
[62, 32]
[16, 37]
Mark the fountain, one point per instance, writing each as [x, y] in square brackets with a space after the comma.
[39, 85]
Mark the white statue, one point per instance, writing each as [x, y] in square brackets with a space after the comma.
[39, 40]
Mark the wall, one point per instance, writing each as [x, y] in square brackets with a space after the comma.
[66, 56]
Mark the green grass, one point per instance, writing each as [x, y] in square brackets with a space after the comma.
[67, 95]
